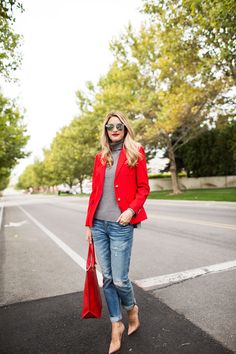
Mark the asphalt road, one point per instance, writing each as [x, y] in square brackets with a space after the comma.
[42, 250]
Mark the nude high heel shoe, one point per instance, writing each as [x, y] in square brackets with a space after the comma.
[134, 322]
[116, 336]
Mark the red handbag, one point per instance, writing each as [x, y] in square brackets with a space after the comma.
[92, 302]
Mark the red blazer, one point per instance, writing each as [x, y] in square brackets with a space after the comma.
[130, 185]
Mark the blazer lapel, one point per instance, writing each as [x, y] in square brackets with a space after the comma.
[121, 161]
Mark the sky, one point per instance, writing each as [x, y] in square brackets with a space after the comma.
[65, 44]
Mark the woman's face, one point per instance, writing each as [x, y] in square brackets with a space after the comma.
[117, 132]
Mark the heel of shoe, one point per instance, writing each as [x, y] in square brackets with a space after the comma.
[134, 322]
[115, 347]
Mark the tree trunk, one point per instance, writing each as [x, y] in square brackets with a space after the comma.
[174, 177]
[81, 186]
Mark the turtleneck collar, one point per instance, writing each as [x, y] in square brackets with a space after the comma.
[117, 145]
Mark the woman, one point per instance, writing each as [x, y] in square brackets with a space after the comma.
[119, 190]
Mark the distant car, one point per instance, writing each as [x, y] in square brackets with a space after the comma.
[77, 190]
[63, 188]
[87, 187]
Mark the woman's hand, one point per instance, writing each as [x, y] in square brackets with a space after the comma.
[88, 233]
[125, 217]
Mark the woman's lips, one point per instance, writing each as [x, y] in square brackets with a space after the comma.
[115, 134]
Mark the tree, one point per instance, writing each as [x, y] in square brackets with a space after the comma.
[27, 179]
[160, 79]
[12, 130]
[211, 28]
[33, 176]
[211, 22]
[4, 178]
[10, 58]
[69, 159]
[70, 155]
[13, 137]
[212, 153]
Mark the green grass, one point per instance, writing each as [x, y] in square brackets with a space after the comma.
[216, 194]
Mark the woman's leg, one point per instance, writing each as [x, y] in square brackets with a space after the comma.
[121, 240]
[102, 247]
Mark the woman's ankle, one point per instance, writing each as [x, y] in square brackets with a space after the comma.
[135, 306]
[117, 324]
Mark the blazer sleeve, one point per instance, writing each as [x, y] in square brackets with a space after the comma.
[93, 175]
[93, 188]
[143, 188]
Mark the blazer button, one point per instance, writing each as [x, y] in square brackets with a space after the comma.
[117, 185]
[118, 199]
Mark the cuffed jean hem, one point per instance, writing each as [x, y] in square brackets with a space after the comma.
[115, 319]
[127, 308]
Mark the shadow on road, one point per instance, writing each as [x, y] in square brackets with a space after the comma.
[54, 325]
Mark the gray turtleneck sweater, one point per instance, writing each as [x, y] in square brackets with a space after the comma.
[107, 208]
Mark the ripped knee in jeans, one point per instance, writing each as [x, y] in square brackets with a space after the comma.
[121, 283]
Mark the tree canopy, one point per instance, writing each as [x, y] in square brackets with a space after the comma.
[69, 160]
[13, 138]
[212, 153]
[10, 56]
[211, 22]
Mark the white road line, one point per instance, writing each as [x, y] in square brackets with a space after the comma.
[15, 224]
[69, 251]
[1, 216]
[193, 221]
[164, 280]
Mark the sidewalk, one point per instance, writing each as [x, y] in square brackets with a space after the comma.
[54, 325]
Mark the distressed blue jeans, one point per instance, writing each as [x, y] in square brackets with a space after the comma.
[113, 245]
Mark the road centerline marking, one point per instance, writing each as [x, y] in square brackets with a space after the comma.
[192, 221]
[68, 250]
[173, 278]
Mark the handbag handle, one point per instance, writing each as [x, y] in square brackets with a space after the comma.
[91, 261]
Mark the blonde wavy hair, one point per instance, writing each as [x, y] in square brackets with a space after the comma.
[130, 145]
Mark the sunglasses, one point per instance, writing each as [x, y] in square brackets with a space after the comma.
[119, 126]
